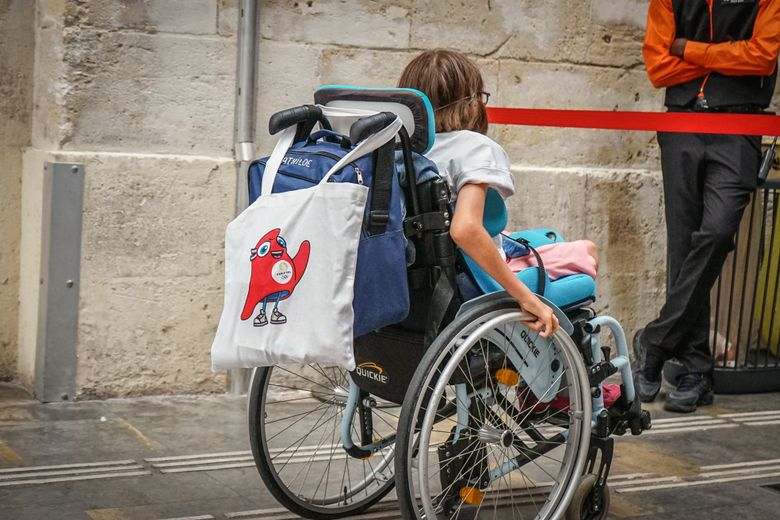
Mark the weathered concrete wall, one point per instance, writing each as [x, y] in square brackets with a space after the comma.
[151, 285]
[16, 53]
[142, 92]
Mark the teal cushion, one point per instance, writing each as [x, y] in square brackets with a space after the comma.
[538, 237]
[495, 216]
[564, 292]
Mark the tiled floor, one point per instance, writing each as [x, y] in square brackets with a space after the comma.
[111, 460]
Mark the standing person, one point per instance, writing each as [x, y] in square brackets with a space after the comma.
[711, 56]
[471, 163]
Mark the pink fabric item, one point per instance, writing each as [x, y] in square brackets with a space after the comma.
[529, 401]
[560, 259]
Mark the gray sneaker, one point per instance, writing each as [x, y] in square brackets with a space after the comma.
[277, 318]
[260, 320]
[694, 390]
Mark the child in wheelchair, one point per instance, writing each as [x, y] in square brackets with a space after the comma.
[465, 403]
[472, 163]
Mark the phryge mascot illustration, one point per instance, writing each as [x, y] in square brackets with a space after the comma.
[274, 276]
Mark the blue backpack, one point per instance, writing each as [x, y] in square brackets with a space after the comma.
[381, 288]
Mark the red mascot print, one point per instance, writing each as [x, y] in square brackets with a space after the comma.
[274, 276]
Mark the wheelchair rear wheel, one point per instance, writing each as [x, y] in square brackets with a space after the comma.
[295, 423]
[496, 422]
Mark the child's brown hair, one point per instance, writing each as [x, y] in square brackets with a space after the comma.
[454, 85]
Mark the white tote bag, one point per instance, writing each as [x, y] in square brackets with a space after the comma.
[290, 270]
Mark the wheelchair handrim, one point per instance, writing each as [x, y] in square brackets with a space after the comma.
[580, 426]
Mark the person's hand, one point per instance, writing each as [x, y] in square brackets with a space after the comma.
[678, 47]
[545, 323]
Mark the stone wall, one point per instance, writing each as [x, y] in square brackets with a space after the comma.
[16, 51]
[142, 93]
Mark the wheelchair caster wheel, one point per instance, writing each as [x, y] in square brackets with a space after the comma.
[589, 503]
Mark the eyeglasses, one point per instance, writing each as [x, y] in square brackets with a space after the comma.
[483, 97]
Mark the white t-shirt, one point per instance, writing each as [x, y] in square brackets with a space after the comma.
[466, 157]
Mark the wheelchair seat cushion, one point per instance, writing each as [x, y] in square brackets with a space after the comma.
[560, 259]
[569, 291]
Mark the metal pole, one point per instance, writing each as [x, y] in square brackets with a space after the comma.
[246, 74]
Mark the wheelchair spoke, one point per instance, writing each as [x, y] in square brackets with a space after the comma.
[302, 450]
[527, 414]
[308, 467]
[321, 371]
[529, 491]
[509, 432]
[301, 440]
[507, 479]
[310, 391]
[328, 390]
[326, 474]
[302, 415]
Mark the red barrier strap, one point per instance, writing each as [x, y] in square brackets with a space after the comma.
[689, 122]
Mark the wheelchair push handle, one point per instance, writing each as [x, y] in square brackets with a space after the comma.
[305, 116]
[365, 126]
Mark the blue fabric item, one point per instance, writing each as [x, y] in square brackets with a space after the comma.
[514, 249]
[381, 287]
[425, 168]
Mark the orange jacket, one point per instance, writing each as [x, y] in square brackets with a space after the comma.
[756, 56]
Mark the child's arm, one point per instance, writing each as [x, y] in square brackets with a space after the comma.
[468, 232]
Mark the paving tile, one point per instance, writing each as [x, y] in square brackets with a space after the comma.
[33, 434]
[174, 510]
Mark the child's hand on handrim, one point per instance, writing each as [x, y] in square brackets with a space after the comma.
[546, 323]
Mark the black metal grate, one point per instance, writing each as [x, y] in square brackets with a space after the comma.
[745, 317]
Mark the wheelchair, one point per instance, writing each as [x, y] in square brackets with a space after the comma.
[461, 408]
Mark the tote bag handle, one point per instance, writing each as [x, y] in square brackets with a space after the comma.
[365, 146]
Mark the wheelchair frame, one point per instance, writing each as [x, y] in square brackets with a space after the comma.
[580, 325]
[602, 423]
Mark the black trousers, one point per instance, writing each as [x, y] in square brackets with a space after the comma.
[708, 179]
